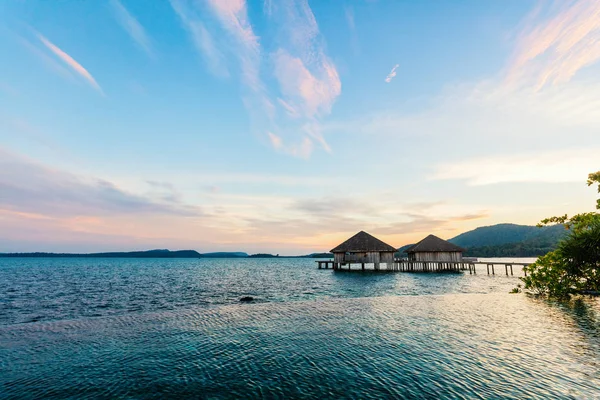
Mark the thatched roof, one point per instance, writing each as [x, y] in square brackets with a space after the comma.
[433, 244]
[360, 242]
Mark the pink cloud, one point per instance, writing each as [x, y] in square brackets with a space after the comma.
[70, 61]
[392, 74]
[308, 80]
[292, 112]
[276, 141]
[315, 94]
[23, 215]
[302, 149]
[553, 50]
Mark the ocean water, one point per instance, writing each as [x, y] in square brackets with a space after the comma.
[119, 328]
[38, 290]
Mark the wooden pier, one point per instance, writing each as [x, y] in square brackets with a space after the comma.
[490, 266]
[402, 265]
[325, 264]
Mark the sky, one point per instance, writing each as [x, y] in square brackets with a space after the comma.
[287, 126]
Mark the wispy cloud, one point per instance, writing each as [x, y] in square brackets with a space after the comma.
[552, 49]
[308, 80]
[268, 7]
[503, 118]
[292, 112]
[331, 206]
[203, 40]
[30, 187]
[72, 63]
[302, 149]
[276, 141]
[349, 13]
[132, 27]
[48, 60]
[350, 20]
[333, 218]
[418, 225]
[46, 205]
[233, 15]
[570, 165]
[392, 74]
[314, 96]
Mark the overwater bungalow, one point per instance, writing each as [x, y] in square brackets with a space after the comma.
[432, 248]
[362, 249]
[431, 254]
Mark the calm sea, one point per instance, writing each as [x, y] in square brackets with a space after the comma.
[152, 328]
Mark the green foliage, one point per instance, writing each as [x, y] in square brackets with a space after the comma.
[574, 267]
[263, 255]
[592, 179]
[548, 277]
[579, 221]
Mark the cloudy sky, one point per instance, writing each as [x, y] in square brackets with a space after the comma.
[286, 126]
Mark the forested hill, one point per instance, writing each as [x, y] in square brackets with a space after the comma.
[500, 234]
[508, 240]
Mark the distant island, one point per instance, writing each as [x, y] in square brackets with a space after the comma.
[501, 240]
[161, 253]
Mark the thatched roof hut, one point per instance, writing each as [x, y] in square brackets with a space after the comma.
[432, 248]
[361, 242]
[363, 248]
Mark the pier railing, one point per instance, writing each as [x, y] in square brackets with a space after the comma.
[403, 265]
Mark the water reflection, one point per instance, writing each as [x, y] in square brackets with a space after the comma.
[583, 315]
[586, 313]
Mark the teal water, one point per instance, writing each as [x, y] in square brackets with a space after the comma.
[81, 328]
[37, 290]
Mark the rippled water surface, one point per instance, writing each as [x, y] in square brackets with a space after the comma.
[174, 328]
[33, 290]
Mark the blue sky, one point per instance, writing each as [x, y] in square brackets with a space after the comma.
[287, 126]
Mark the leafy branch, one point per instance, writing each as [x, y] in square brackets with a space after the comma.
[574, 267]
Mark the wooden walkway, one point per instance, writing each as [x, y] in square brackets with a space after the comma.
[401, 265]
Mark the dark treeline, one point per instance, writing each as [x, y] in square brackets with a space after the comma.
[313, 255]
[510, 250]
[159, 254]
[130, 254]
